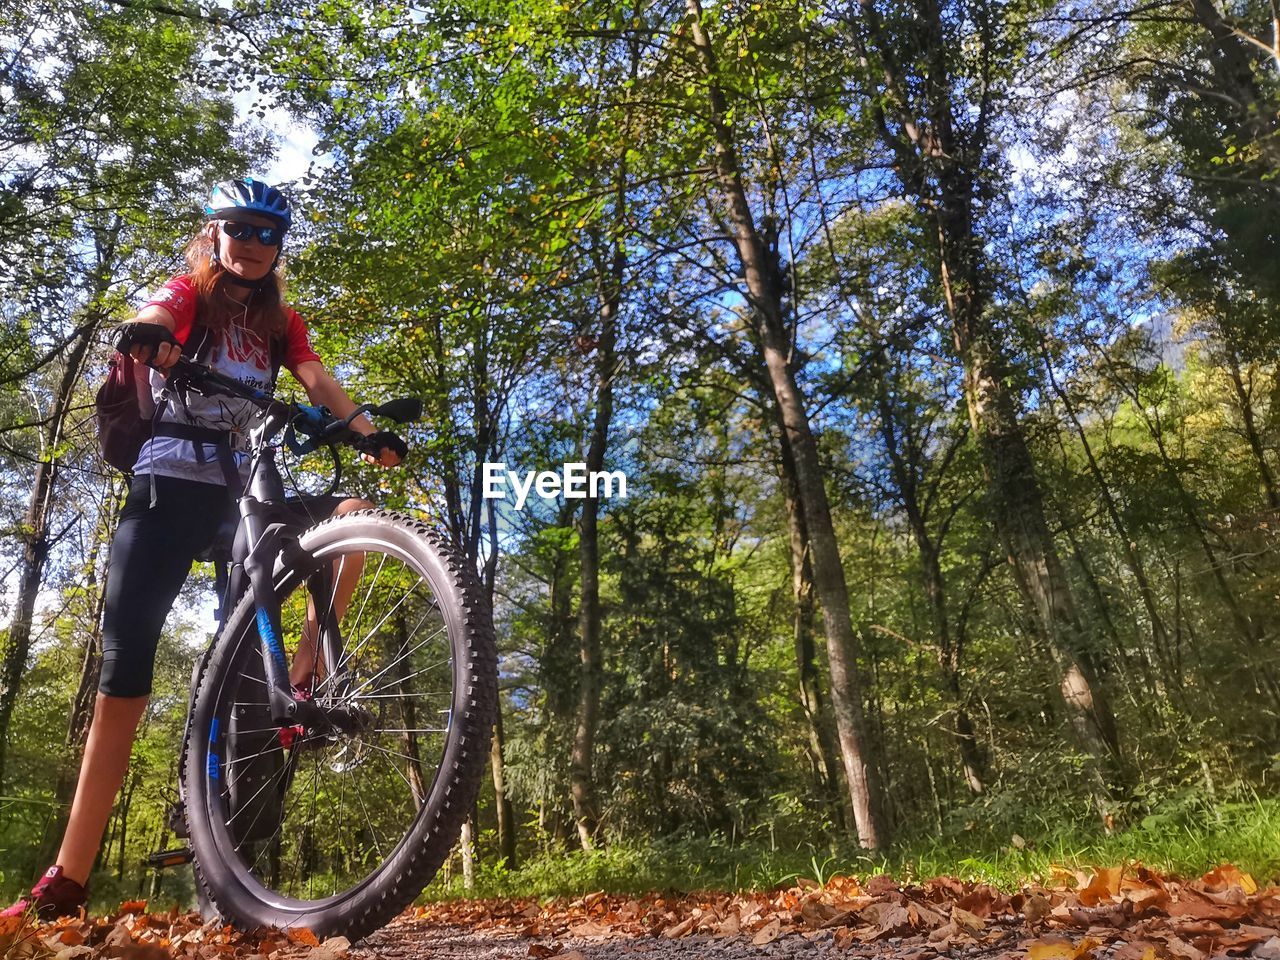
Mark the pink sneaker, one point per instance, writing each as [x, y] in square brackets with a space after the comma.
[53, 896]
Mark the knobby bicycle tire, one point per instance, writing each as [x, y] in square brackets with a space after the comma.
[248, 894]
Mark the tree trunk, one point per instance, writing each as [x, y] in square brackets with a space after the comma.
[85, 697]
[822, 750]
[950, 650]
[506, 815]
[497, 765]
[1020, 521]
[468, 849]
[581, 772]
[1244, 396]
[126, 802]
[37, 540]
[1232, 60]
[765, 289]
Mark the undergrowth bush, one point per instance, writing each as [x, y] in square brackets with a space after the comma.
[1180, 837]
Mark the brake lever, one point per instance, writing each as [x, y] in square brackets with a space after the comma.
[315, 417]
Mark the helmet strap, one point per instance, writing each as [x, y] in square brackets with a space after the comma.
[240, 281]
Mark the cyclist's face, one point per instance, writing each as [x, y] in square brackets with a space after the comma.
[247, 258]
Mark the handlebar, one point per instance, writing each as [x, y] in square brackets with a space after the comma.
[316, 423]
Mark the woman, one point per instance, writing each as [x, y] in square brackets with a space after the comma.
[179, 494]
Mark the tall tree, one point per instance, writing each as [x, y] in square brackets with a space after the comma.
[765, 283]
[97, 183]
[937, 81]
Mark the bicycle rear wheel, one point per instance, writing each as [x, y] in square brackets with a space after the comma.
[337, 831]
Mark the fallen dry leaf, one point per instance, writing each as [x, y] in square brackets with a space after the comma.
[966, 920]
[1036, 908]
[680, 929]
[1224, 877]
[590, 928]
[1104, 885]
[1137, 950]
[1061, 949]
[730, 926]
[303, 936]
[768, 933]
[1208, 911]
[922, 916]
[945, 932]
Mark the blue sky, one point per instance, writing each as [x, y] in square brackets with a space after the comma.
[294, 141]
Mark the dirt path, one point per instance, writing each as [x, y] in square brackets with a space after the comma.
[423, 940]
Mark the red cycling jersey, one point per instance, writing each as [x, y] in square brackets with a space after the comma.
[236, 352]
[178, 296]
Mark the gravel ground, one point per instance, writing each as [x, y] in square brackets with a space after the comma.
[415, 940]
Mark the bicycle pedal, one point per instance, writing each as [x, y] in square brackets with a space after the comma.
[170, 858]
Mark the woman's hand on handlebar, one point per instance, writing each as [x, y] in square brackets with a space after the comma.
[150, 343]
[382, 447]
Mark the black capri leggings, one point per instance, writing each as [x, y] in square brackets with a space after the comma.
[151, 555]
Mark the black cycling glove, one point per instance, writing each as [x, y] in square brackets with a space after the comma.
[144, 334]
[374, 443]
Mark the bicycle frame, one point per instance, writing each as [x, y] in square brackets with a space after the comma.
[269, 535]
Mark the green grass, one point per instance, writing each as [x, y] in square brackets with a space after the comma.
[1180, 839]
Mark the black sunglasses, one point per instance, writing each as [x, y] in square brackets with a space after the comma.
[267, 236]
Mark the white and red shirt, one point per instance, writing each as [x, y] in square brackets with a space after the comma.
[236, 352]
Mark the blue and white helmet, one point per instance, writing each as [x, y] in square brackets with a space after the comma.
[250, 195]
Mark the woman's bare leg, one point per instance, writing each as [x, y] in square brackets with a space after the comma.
[106, 758]
[307, 667]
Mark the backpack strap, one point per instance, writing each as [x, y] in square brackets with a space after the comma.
[199, 344]
[199, 437]
[275, 348]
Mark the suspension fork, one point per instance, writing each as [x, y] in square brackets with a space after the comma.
[264, 540]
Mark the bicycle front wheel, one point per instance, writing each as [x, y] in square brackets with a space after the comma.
[338, 828]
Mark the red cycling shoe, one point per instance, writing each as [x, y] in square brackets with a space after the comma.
[53, 896]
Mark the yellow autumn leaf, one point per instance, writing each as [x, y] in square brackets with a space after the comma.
[1062, 949]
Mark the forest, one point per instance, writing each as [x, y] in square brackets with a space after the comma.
[936, 340]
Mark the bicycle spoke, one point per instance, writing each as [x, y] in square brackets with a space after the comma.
[356, 692]
[261, 753]
[412, 730]
[426, 669]
[342, 817]
[374, 631]
[392, 753]
[397, 771]
[368, 820]
[373, 583]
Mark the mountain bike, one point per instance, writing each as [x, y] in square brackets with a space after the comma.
[331, 806]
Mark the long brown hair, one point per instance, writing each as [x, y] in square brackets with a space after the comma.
[215, 308]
